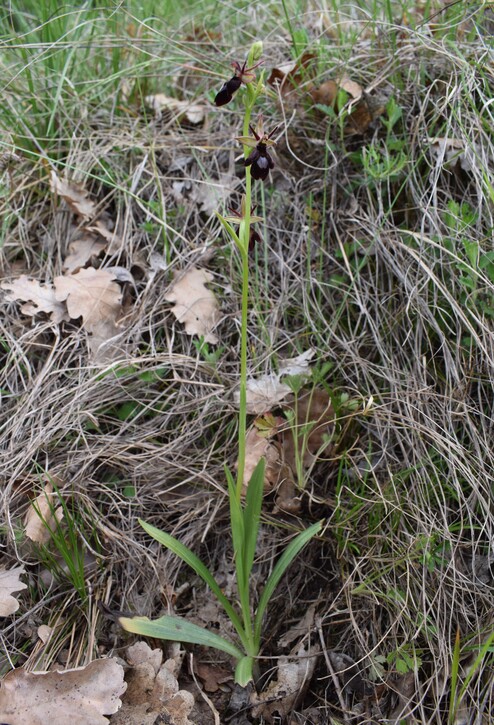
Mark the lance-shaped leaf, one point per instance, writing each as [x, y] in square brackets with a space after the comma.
[177, 629]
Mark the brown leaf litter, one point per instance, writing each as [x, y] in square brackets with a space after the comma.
[153, 693]
[81, 696]
[42, 516]
[10, 582]
[194, 304]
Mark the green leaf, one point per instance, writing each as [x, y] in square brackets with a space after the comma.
[472, 252]
[196, 564]
[177, 629]
[252, 516]
[237, 525]
[402, 666]
[243, 671]
[282, 565]
[231, 231]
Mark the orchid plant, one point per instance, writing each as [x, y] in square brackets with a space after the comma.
[245, 615]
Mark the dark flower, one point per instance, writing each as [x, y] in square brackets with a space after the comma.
[259, 160]
[254, 238]
[242, 75]
[237, 216]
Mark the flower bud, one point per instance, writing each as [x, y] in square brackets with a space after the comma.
[255, 52]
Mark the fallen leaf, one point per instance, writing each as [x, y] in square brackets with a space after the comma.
[351, 87]
[91, 294]
[348, 673]
[288, 76]
[212, 676]
[257, 446]
[115, 242]
[268, 391]
[264, 393]
[44, 632]
[359, 114]
[195, 305]
[359, 118]
[81, 252]
[287, 495]
[75, 196]
[281, 696]
[40, 298]
[301, 629]
[193, 112]
[80, 697]
[314, 412]
[298, 365]
[153, 693]
[10, 582]
[453, 150]
[215, 193]
[42, 516]
[325, 94]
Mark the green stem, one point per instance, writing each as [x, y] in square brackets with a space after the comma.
[242, 421]
[244, 234]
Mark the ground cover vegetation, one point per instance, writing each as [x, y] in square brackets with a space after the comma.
[167, 262]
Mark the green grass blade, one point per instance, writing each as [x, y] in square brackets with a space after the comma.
[282, 565]
[177, 629]
[455, 666]
[473, 669]
[196, 564]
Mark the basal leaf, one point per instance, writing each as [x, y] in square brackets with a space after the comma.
[177, 629]
[196, 564]
[281, 566]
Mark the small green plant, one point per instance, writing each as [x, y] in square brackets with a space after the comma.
[471, 262]
[315, 420]
[380, 163]
[402, 660]
[209, 355]
[245, 517]
[63, 554]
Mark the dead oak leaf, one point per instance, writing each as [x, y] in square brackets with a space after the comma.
[195, 305]
[355, 103]
[81, 252]
[75, 196]
[281, 696]
[91, 294]
[80, 697]
[314, 413]
[268, 391]
[153, 693]
[115, 242]
[10, 582]
[259, 446]
[264, 393]
[42, 516]
[38, 298]
[193, 112]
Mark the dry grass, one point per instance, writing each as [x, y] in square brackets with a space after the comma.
[359, 268]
